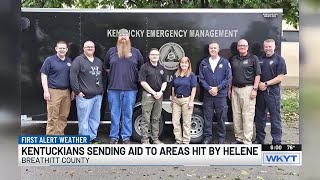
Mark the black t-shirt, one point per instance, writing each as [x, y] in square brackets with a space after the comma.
[153, 75]
[244, 69]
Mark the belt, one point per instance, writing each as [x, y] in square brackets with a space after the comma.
[60, 88]
[242, 85]
[181, 96]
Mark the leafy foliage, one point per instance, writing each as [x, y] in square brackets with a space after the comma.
[290, 7]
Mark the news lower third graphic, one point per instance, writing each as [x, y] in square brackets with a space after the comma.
[54, 139]
[77, 150]
[284, 154]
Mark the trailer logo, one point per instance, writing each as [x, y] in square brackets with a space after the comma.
[170, 53]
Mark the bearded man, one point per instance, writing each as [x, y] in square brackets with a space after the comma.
[122, 64]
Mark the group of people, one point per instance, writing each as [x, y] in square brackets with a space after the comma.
[82, 79]
[252, 84]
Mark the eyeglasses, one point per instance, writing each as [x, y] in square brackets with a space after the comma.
[154, 54]
[89, 47]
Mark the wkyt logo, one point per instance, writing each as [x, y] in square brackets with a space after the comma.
[281, 158]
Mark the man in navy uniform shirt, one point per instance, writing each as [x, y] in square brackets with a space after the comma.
[56, 86]
[273, 68]
[214, 75]
[122, 64]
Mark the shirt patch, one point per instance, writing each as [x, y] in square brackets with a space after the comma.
[130, 54]
[245, 62]
[220, 65]
[68, 64]
[271, 62]
[161, 72]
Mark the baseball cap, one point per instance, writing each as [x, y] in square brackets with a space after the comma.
[123, 31]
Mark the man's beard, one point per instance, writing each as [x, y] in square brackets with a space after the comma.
[124, 49]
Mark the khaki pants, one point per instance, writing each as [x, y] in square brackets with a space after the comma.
[58, 110]
[181, 106]
[151, 112]
[243, 113]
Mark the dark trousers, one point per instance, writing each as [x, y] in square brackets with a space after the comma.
[271, 101]
[214, 107]
[151, 113]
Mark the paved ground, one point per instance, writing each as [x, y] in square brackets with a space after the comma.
[290, 135]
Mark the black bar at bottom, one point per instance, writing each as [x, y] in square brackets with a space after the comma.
[282, 147]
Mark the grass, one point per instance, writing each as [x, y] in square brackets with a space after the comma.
[290, 106]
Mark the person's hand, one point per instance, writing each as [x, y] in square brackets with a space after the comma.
[46, 95]
[190, 105]
[262, 86]
[158, 95]
[213, 91]
[173, 99]
[72, 96]
[253, 94]
[81, 94]
[229, 94]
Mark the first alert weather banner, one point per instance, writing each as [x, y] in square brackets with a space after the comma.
[76, 150]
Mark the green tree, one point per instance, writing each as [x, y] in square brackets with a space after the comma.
[290, 7]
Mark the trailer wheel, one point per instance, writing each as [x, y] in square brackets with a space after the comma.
[136, 125]
[197, 125]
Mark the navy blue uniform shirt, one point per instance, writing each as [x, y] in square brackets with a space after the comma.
[183, 85]
[271, 67]
[123, 73]
[219, 78]
[57, 71]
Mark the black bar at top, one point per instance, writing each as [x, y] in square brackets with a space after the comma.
[282, 147]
